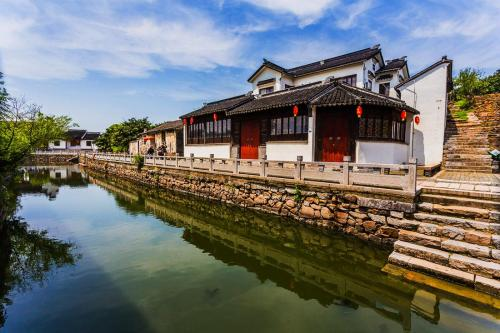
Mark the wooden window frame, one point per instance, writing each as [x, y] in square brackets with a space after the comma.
[280, 127]
[209, 132]
[382, 126]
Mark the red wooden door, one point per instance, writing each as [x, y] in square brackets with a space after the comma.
[334, 136]
[250, 139]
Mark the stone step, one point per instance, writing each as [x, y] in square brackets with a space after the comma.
[475, 213]
[460, 223]
[466, 202]
[466, 150]
[462, 269]
[464, 168]
[471, 191]
[468, 157]
[472, 250]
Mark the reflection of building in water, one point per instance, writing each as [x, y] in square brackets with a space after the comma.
[51, 190]
[333, 270]
[59, 173]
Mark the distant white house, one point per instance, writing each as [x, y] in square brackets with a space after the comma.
[76, 139]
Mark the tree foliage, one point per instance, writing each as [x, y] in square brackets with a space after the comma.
[116, 138]
[24, 128]
[471, 82]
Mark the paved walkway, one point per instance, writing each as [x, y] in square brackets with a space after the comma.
[466, 181]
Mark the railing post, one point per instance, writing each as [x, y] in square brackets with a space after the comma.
[263, 166]
[211, 162]
[177, 160]
[164, 160]
[412, 175]
[345, 170]
[191, 160]
[298, 168]
[235, 165]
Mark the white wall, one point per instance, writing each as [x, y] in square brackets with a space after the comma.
[266, 74]
[219, 150]
[336, 72]
[289, 150]
[381, 152]
[62, 145]
[428, 95]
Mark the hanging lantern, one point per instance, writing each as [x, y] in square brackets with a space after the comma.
[184, 121]
[191, 121]
[215, 116]
[417, 120]
[403, 115]
[295, 110]
[359, 111]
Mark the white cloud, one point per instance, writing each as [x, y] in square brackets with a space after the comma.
[352, 12]
[307, 11]
[303, 51]
[52, 41]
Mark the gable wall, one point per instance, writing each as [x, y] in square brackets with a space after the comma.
[428, 95]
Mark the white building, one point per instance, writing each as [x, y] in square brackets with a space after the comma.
[322, 111]
[76, 139]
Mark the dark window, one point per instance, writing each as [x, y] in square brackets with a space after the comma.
[57, 143]
[380, 126]
[268, 90]
[289, 128]
[349, 80]
[89, 143]
[384, 88]
[209, 132]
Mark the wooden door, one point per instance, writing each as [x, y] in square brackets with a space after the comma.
[333, 136]
[249, 139]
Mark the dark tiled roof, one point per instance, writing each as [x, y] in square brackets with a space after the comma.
[282, 98]
[168, 125]
[90, 135]
[342, 94]
[345, 59]
[392, 65]
[444, 60]
[75, 133]
[223, 105]
[266, 81]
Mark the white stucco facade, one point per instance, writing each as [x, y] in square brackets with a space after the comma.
[381, 152]
[428, 94]
[222, 150]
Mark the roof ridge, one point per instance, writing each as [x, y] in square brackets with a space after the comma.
[284, 91]
[225, 99]
[331, 58]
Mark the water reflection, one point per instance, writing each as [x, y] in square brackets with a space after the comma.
[331, 269]
[26, 256]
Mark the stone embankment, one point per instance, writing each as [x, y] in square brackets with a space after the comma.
[51, 159]
[427, 237]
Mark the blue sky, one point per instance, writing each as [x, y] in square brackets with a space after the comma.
[104, 61]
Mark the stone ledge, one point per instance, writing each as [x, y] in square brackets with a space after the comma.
[420, 239]
[486, 285]
[422, 252]
[477, 266]
[467, 248]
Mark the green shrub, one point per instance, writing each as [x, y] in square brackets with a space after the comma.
[139, 161]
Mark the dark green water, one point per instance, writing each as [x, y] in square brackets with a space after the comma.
[123, 258]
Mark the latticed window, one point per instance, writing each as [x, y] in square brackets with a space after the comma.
[209, 132]
[382, 126]
[289, 128]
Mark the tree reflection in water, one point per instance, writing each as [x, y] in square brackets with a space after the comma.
[26, 256]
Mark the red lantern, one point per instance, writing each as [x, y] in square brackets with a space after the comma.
[215, 116]
[184, 121]
[359, 111]
[403, 115]
[417, 120]
[191, 121]
[295, 110]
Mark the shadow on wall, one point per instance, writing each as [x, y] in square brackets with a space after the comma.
[418, 146]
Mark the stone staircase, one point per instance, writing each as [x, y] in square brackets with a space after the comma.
[454, 235]
[466, 145]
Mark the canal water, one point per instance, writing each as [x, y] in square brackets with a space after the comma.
[97, 254]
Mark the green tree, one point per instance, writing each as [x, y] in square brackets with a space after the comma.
[116, 138]
[3, 95]
[24, 128]
[492, 83]
[466, 85]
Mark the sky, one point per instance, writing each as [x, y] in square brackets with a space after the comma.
[104, 61]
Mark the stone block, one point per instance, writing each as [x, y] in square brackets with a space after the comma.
[389, 232]
[369, 225]
[495, 254]
[399, 206]
[486, 285]
[326, 213]
[260, 200]
[422, 252]
[452, 232]
[421, 239]
[474, 265]
[495, 241]
[399, 215]
[358, 215]
[377, 218]
[467, 248]
[428, 229]
[477, 237]
[403, 224]
[290, 203]
[307, 212]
